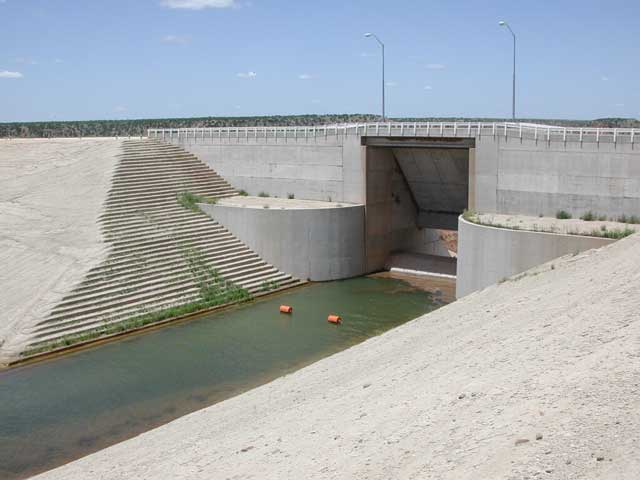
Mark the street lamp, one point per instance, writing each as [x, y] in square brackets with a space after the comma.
[382, 45]
[502, 23]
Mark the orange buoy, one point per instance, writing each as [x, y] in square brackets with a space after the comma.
[286, 309]
[334, 319]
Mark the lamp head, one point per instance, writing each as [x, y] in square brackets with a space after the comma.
[502, 23]
[368, 34]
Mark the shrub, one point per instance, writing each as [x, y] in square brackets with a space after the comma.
[243, 193]
[563, 215]
[588, 216]
[263, 194]
[290, 196]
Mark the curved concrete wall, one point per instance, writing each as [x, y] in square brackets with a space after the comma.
[312, 243]
[488, 254]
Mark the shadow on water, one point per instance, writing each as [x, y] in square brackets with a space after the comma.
[57, 411]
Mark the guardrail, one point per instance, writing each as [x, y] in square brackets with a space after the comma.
[406, 129]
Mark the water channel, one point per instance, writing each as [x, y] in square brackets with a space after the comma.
[65, 408]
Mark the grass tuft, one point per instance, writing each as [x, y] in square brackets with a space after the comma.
[190, 201]
[563, 215]
[588, 216]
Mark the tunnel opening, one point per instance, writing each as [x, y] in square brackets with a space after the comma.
[415, 190]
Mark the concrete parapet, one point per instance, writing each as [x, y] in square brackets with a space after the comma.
[312, 240]
[489, 254]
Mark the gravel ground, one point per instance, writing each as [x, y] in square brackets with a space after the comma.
[51, 194]
[537, 377]
[573, 226]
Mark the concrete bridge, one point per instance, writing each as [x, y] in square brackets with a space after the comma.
[415, 178]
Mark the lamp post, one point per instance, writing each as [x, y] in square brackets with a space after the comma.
[381, 45]
[502, 23]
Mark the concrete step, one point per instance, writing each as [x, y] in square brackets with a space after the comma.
[117, 261]
[145, 276]
[148, 282]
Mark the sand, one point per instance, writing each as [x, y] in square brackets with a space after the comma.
[51, 194]
[533, 378]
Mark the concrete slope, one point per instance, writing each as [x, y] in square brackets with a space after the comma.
[538, 377]
[51, 193]
[154, 244]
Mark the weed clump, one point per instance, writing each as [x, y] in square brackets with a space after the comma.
[264, 194]
[563, 215]
[588, 216]
[190, 201]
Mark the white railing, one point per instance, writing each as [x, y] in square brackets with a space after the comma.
[406, 129]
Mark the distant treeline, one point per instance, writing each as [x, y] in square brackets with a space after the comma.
[124, 128]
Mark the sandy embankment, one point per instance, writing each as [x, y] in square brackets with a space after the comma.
[534, 378]
[51, 194]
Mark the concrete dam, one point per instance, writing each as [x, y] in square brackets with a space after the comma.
[404, 184]
[273, 207]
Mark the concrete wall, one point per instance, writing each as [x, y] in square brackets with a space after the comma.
[486, 254]
[327, 169]
[316, 244]
[533, 178]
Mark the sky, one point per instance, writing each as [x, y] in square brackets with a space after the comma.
[112, 59]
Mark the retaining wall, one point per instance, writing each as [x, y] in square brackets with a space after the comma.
[539, 178]
[312, 243]
[487, 254]
[325, 169]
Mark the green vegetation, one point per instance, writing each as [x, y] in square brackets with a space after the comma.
[139, 127]
[264, 194]
[190, 201]
[214, 291]
[470, 216]
[632, 219]
[588, 216]
[290, 196]
[563, 215]
[270, 285]
[615, 234]
[243, 193]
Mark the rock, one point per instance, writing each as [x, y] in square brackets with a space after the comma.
[366, 385]
[246, 449]
[522, 441]
[549, 470]
[568, 461]
[538, 436]
[461, 396]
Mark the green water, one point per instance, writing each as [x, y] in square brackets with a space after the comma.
[56, 411]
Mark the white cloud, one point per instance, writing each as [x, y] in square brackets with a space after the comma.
[436, 66]
[120, 108]
[305, 76]
[605, 79]
[367, 54]
[619, 105]
[57, 60]
[315, 100]
[8, 74]
[428, 87]
[198, 4]
[391, 84]
[178, 39]
[247, 74]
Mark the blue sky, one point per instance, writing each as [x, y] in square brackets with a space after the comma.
[97, 59]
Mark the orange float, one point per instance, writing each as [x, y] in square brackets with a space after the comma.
[334, 319]
[286, 309]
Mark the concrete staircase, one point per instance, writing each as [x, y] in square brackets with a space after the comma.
[149, 232]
